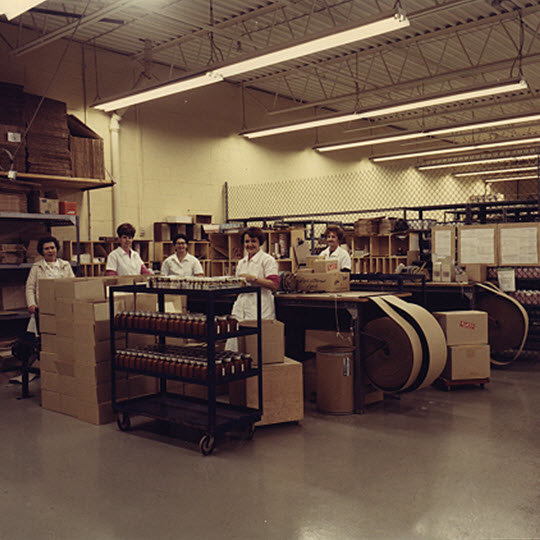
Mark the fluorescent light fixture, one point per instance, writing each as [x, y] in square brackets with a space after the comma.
[158, 92]
[511, 179]
[430, 133]
[496, 171]
[394, 22]
[409, 106]
[453, 164]
[457, 149]
[13, 8]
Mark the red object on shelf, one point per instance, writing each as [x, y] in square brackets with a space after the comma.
[68, 207]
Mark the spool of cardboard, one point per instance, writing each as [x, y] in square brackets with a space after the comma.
[335, 379]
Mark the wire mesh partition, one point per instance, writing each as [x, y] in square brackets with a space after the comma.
[374, 190]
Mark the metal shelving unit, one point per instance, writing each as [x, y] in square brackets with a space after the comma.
[206, 415]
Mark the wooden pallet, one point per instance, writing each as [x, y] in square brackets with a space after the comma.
[447, 384]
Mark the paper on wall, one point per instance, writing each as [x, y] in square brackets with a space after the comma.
[477, 246]
[519, 245]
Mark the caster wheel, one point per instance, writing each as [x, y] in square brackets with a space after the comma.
[207, 444]
[123, 421]
[249, 432]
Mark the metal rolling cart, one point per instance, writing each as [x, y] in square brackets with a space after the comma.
[209, 416]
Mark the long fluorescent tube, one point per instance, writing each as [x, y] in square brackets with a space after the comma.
[388, 24]
[453, 164]
[158, 92]
[13, 8]
[394, 22]
[511, 179]
[409, 106]
[495, 171]
[454, 150]
[429, 133]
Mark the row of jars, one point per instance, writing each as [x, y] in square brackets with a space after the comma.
[196, 283]
[193, 324]
[190, 368]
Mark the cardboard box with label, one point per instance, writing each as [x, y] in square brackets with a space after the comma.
[463, 327]
[323, 282]
[282, 393]
[273, 341]
[325, 265]
[48, 206]
[467, 362]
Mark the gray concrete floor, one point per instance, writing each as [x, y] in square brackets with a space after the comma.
[432, 465]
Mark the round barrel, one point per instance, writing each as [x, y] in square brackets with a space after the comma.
[335, 379]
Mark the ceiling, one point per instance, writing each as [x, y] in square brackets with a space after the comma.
[450, 45]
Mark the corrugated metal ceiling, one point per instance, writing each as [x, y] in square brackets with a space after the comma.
[449, 45]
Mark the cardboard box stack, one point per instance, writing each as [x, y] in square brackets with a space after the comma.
[467, 340]
[282, 378]
[76, 350]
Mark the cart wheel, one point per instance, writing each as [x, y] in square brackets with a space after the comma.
[249, 432]
[207, 444]
[123, 421]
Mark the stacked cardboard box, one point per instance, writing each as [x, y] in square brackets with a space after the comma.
[282, 378]
[467, 340]
[47, 141]
[76, 350]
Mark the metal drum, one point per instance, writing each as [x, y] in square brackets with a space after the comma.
[335, 379]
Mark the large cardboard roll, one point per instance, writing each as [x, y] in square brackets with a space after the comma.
[508, 322]
[392, 351]
[431, 336]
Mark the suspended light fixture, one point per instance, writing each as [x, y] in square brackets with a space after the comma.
[394, 21]
[14, 8]
[452, 164]
[511, 86]
[495, 171]
[457, 149]
[429, 133]
[511, 179]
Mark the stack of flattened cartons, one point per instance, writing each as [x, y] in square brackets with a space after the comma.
[47, 140]
[76, 351]
[86, 146]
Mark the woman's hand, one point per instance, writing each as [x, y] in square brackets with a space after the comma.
[249, 278]
[32, 309]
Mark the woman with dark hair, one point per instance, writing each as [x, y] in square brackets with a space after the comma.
[50, 267]
[259, 269]
[181, 263]
[334, 237]
[124, 261]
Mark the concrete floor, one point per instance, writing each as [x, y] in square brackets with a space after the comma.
[432, 465]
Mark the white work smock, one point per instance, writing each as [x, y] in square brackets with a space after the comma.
[344, 259]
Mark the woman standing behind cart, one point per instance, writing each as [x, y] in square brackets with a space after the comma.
[181, 263]
[124, 261]
[334, 238]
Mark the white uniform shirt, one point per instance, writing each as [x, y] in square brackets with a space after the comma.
[344, 259]
[124, 264]
[188, 266]
[260, 265]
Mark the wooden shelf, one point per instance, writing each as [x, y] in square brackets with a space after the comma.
[60, 182]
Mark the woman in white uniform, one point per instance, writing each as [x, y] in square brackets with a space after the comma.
[259, 269]
[124, 261]
[334, 238]
[181, 263]
[50, 267]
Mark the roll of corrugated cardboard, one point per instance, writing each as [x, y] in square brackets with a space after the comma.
[508, 322]
[335, 379]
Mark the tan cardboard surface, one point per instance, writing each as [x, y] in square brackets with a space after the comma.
[273, 341]
[463, 327]
[467, 362]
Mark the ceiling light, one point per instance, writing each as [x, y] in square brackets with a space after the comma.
[452, 164]
[511, 179]
[158, 92]
[429, 133]
[13, 8]
[394, 22]
[496, 171]
[409, 106]
[454, 150]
